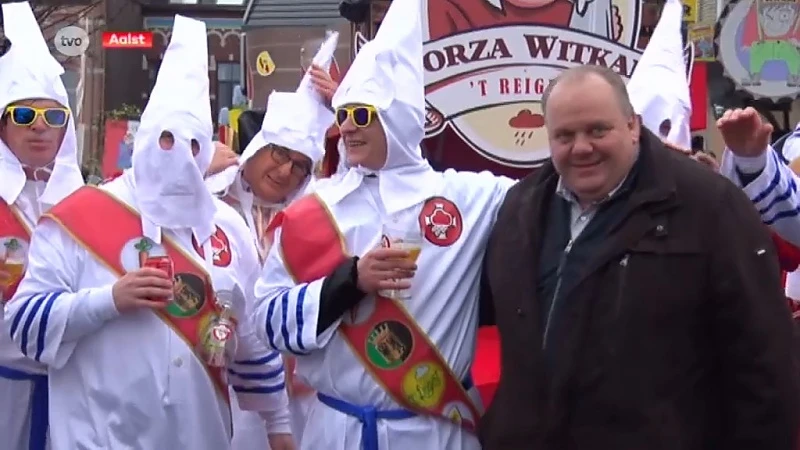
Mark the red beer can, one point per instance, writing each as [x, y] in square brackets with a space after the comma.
[162, 263]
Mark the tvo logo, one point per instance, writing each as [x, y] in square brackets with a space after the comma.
[71, 41]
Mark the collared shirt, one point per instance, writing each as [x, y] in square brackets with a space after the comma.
[580, 216]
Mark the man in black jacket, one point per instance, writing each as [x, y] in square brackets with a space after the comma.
[637, 295]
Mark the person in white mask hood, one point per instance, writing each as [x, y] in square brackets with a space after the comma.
[274, 169]
[391, 368]
[136, 292]
[276, 166]
[659, 87]
[38, 167]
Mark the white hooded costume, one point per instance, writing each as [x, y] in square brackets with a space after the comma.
[129, 380]
[294, 120]
[352, 410]
[297, 121]
[659, 87]
[28, 71]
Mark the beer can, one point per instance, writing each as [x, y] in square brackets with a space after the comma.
[162, 263]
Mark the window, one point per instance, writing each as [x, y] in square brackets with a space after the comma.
[228, 74]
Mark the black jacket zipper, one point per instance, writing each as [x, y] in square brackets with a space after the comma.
[623, 277]
[561, 263]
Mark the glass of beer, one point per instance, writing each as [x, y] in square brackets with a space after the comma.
[408, 239]
[13, 269]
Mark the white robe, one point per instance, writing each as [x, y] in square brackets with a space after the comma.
[15, 395]
[248, 427]
[129, 381]
[444, 303]
[773, 193]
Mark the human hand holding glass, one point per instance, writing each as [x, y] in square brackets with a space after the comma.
[407, 239]
[12, 267]
[5, 282]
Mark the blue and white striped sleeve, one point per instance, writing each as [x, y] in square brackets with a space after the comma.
[773, 192]
[259, 385]
[48, 315]
[256, 374]
[286, 311]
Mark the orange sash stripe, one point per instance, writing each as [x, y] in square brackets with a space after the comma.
[12, 226]
[107, 238]
[389, 343]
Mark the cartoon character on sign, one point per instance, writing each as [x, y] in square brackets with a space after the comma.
[758, 46]
[771, 34]
[448, 17]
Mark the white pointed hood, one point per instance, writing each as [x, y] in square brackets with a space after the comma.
[342, 166]
[387, 73]
[169, 187]
[29, 71]
[659, 88]
[296, 120]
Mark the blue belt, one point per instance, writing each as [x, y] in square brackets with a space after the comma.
[369, 415]
[38, 432]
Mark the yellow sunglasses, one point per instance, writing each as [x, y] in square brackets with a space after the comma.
[22, 115]
[361, 115]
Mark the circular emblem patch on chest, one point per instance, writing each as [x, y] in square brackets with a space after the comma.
[220, 247]
[440, 221]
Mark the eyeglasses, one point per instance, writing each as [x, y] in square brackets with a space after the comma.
[361, 116]
[27, 115]
[283, 156]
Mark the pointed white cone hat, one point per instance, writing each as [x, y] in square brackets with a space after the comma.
[169, 185]
[296, 120]
[29, 71]
[387, 73]
[389, 67]
[659, 88]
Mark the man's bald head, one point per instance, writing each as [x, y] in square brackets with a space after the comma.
[593, 144]
[582, 73]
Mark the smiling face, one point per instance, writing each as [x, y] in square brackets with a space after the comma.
[35, 144]
[363, 136]
[777, 20]
[593, 142]
[274, 173]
